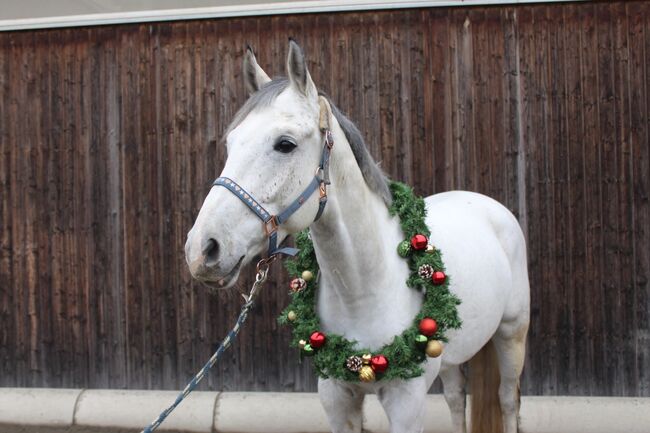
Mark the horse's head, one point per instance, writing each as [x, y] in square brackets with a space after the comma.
[274, 146]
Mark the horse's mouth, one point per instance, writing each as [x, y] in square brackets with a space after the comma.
[227, 280]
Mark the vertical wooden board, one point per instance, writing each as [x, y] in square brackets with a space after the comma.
[47, 206]
[83, 189]
[608, 133]
[370, 70]
[591, 317]
[165, 131]
[29, 151]
[638, 129]
[7, 318]
[404, 77]
[99, 290]
[493, 144]
[574, 209]
[422, 165]
[118, 373]
[42, 215]
[553, 101]
[17, 209]
[387, 58]
[515, 151]
[69, 289]
[483, 146]
[54, 169]
[179, 160]
[626, 379]
[438, 96]
[148, 167]
[465, 144]
[131, 160]
[75, 232]
[538, 130]
[639, 37]
[521, 108]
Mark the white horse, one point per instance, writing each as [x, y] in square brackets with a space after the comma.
[274, 144]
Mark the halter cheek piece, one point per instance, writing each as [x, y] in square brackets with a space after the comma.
[270, 222]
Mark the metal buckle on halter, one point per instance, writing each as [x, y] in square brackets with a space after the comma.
[320, 174]
[273, 222]
[322, 189]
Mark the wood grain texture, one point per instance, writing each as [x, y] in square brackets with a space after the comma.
[110, 137]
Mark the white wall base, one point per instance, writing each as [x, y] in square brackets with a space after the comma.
[34, 410]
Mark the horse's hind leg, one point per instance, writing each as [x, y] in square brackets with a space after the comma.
[453, 381]
[343, 405]
[510, 345]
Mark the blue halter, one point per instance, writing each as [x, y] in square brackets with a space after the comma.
[270, 222]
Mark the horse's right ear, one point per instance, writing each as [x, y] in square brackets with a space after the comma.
[254, 75]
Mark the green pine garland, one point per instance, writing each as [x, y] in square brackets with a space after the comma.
[404, 355]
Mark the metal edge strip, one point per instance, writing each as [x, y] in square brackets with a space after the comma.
[284, 8]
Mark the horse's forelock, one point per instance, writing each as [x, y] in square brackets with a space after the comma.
[373, 175]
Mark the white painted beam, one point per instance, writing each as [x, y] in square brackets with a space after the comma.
[50, 410]
[241, 10]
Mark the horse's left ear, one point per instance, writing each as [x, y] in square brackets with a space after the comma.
[298, 73]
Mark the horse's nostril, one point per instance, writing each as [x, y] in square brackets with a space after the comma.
[210, 251]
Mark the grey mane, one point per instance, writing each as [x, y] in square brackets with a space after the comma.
[373, 175]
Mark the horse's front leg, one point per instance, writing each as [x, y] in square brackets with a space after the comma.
[403, 401]
[343, 405]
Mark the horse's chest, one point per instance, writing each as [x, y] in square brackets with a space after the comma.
[372, 320]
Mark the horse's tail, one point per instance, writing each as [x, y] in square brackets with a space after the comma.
[484, 388]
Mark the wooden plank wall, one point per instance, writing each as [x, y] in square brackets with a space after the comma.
[110, 136]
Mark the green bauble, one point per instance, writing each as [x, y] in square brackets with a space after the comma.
[308, 350]
[421, 341]
[404, 249]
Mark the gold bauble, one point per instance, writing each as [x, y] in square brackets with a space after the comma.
[430, 249]
[307, 275]
[291, 316]
[366, 358]
[366, 374]
[434, 348]
[302, 344]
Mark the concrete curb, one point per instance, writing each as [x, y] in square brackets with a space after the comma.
[34, 410]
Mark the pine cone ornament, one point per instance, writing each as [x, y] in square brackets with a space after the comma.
[354, 363]
[425, 271]
[297, 284]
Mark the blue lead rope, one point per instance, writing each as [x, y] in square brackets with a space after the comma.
[260, 278]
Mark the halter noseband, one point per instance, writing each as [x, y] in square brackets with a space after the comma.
[270, 222]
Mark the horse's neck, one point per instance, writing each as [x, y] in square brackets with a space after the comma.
[362, 292]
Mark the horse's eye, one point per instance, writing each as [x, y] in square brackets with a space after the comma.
[284, 145]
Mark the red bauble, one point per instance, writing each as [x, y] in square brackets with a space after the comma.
[317, 339]
[428, 326]
[438, 278]
[379, 363]
[419, 242]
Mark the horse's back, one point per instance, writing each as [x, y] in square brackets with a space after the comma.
[484, 252]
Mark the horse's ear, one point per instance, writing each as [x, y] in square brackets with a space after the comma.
[254, 75]
[298, 73]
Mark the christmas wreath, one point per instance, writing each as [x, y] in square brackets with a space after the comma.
[336, 357]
